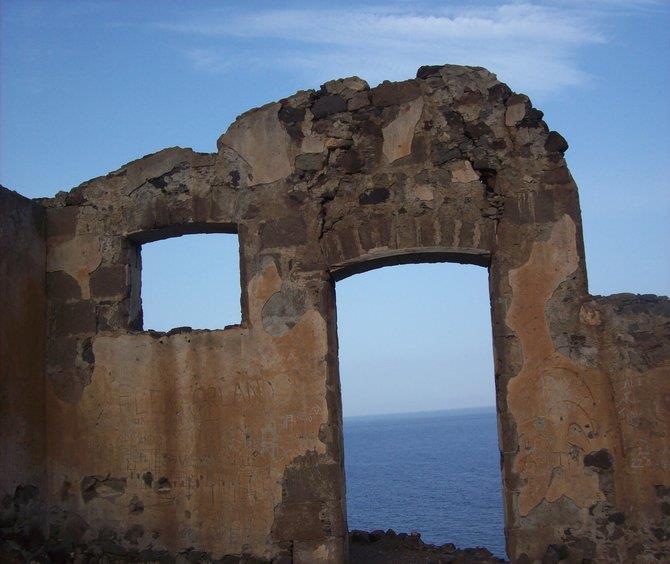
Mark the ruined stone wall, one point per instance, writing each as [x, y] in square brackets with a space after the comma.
[628, 336]
[22, 335]
[229, 442]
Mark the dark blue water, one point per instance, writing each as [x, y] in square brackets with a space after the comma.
[435, 472]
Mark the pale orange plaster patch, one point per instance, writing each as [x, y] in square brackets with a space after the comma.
[562, 410]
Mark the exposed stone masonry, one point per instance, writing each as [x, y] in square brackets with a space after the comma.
[120, 443]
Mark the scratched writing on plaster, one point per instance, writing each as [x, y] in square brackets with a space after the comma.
[253, 389]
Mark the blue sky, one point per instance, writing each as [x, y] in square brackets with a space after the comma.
[88, 86]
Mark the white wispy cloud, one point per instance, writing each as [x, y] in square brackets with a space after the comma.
[206, 59]
[534, 47]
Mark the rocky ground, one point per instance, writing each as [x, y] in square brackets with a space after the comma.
[379, 547]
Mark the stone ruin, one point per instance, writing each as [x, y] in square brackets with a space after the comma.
[126, 444]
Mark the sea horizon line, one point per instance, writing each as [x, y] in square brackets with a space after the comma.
[421, 412]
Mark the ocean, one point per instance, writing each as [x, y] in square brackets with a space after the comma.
[434, 472]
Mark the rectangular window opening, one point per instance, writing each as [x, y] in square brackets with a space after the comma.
[191, 281]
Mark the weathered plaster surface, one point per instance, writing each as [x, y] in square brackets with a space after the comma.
[76, 259]
[22, 342]
[562, 411]
[183, 413]
[263, 143]
[399, 133]
[196, 445]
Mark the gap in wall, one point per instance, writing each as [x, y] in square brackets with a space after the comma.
[415, 346]
[192, 280]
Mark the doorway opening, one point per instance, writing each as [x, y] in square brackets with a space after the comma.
[418, 396]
